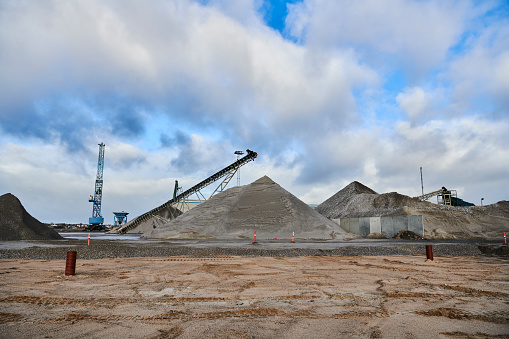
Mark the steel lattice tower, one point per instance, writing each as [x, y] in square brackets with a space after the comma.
[97, 218]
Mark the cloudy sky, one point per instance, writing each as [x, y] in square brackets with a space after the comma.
[327, 92]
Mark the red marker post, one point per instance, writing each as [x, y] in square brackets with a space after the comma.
[88, 239]
[429, 252]
[70, 263]
[254, 242]
[293, 236]
[505, 239]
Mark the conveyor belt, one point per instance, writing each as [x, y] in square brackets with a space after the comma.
[216, 176]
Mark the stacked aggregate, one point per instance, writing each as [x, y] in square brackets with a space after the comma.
[17, 224]
[357, 200]
[332, 208]
[262, 206]
[440, 222]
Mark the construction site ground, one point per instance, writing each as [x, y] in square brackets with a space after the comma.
[165, 289]
[212, 296]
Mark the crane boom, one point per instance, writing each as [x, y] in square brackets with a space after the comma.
[97, 220]
[216, 176]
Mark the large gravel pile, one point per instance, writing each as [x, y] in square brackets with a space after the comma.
[357, 200]
[17, 224]
[263, 207]
[440, 222]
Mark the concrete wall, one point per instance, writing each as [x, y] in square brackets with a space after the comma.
[416, 224]
[387, 226]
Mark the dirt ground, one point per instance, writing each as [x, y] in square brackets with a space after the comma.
[269, 297]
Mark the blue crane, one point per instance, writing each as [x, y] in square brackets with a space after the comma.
[97, 220]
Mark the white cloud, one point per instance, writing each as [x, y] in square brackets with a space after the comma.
[415, 103]
[480, 74]
[417, 33]
[207, 64]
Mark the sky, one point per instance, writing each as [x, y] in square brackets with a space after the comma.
[326, 92]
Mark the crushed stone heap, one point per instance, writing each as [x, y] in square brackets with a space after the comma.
[440, 222]
[17, 224]
[334, 207]
[262, 206]
[357, 200]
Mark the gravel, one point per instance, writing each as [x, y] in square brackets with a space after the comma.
[17, 224]
[262, 206]
[126, 249]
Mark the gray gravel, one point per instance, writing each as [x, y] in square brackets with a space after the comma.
[125, 249]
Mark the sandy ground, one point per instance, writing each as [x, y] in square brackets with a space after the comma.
[243, 297]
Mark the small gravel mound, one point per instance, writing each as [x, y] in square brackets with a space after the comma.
[495, 250]
[407, 235]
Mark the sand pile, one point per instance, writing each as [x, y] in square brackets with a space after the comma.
[17, 224]
[447, 222]
[160, 218]
[440, 222]
[262, 206]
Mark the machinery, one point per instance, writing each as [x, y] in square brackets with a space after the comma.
[96, 221]
[227, 173]
[445, 197]
[120, 218]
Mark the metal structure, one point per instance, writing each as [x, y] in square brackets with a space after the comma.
[422, 184]
[238, 153]
[228, 172]
[97, 220]
[120, 218]
[445, 197]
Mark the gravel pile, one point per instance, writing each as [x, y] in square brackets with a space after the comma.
[119, 249]
[440, 222]
[17, 224]
[357, 200]
[263, 207]
[332, 207]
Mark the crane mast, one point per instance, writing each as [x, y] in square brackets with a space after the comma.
[97, 220]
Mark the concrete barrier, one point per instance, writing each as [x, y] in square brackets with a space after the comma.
[364, 226]
[415, 224]
[387, 226]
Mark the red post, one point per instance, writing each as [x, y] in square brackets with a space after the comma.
[254, 237]
[70, 263]
[293, 236]
[505, 239]
[88, 239]
[429, 252]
